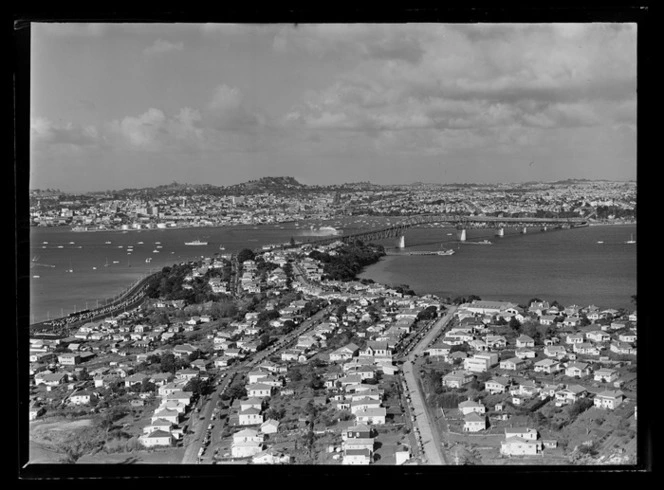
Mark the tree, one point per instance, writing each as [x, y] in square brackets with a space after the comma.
[245, 254]
[514, 324]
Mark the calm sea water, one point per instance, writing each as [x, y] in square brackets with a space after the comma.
[565, 265]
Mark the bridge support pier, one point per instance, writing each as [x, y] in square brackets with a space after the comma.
[462, 235]
[524, 230]
[401, 242]
[544, 228]
[500, 232]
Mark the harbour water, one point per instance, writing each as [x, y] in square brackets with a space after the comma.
[566, 265]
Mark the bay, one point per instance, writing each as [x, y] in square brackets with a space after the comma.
[568, 266]
[565, 265]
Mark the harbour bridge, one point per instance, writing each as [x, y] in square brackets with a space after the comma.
[461, 223]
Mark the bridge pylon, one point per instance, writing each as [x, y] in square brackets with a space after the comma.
[401, 242]
[500, 232]
[462, 235]
[524, 230]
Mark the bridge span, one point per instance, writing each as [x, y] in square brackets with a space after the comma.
[462, 223]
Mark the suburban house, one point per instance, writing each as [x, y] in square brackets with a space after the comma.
[246, 443]
[609, 399]
[575, 338]
[525, 353]
[512, 364]
[82, 398]
[524, 341]
[271, 456]
[474, 422]
[598, 336]
[517, 446]
[470, 406]
[496, 385]
[441, 349]
[628, 338]
[344, 353]
[569, 394]
[456, 379]
[374, 416]
[156, 438]
[605, 375]
[548, 366]
[547, 319]
[270, 426]
[557, 351]
[577, 369]
[480, 362]
[586, 348]
[250, 416]
[259, 390]
[356, 457]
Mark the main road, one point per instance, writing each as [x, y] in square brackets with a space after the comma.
[423, 419]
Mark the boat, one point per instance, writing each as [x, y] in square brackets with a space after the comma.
[631, 240]
[159, 246]
[600, 241]
[35, 277]
[445, 252]
[94, 268]
[221, 247]
[139, 243]
[79, 228]
[483, 242]
[157, 243]
[116, 261]
[71, 269]
[61, 246]
[106, 264]
[120, 246]
[155, 251]
[107, 243]
[148, 260]
[45, 243]
[72, 243]
[196, 242]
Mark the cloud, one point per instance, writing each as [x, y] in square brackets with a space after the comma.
[160, 47]
[44, 132]
[227, 111]
[468, 86]
[155, 131]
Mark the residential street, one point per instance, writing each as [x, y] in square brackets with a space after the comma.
[426, 426]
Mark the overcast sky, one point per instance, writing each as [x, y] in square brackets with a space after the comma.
[133, 105]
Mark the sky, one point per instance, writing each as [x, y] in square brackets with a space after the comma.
[115, 106]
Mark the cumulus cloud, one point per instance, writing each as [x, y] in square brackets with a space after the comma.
[45, 132]
[155, 131]
[227, 111]
[160, 47]
[468, 84]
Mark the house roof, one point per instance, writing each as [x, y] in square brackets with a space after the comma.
[158, 434]
[250, 411]
[474, 417]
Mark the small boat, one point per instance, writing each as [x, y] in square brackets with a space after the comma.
[148, 260]
[107, 243]
[45, 243]
[157, 243]
[61, 246]
[94, 268]
[155, 251]
[631, 240]
[196, 242]
[139, 243]
[106, 264]
[116, 261]
[600, 241]
[159, 246]
[72, 243]
[35, 277]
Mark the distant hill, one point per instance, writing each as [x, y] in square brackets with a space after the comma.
[275, 185]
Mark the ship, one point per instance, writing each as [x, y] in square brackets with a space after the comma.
[148, 260]
[483, 242]
[196, 242]
[445, 252]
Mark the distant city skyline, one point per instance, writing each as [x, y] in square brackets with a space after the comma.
[118, 106]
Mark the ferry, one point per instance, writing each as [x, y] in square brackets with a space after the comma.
[196, 242]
